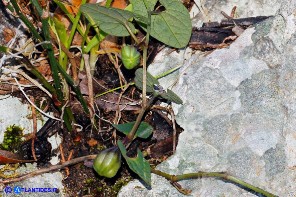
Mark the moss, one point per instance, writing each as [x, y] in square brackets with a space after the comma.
[89, 181]
[106, 189]
[120, 183]
[12, 138]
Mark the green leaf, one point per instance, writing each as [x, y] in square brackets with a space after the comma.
[4, 49]
[138, 164]
[144, 130]
[110, 20]
[150, 81]
[61, 30]
[172, 26]
[171, 96]
[141, 7]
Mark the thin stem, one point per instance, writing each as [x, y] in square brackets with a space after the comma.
[131, 33]
[132, 133]
[221, 175]
[114, 89]
[144, 90]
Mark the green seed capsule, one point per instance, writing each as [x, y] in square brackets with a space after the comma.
[130, 57]
[108, 162]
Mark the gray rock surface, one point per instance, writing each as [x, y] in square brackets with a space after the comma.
[239, 112]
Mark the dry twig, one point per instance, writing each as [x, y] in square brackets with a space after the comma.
[49, 169]
[34, 128]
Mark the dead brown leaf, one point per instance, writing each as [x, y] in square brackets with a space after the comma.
[92, 142]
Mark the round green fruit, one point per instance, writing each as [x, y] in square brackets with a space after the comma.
[108, 162]
[130, 57]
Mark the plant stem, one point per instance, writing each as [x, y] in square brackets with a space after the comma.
[131, 33]
[132, 133]
[144, 91]
[221, 175]
[74, 26]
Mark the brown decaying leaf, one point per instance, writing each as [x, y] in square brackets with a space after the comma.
[9, 157]
[44, 68]
[72, 6]
[8, 34]
[109, 44]
[92, 142]
[120, 4]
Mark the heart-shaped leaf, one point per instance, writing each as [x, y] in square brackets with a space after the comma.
[141, 7]
[150, 82]
[138, 164]
[172, 26]
[111, 20]
[144, 130]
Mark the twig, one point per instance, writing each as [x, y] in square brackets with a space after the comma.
[221, 175]
[63, 159]
[45, 114]
[120, 75]
[118, 111]
[174, 128]
[70, 155]
[18, 53]
[49, 169]
[34, 129]
[36, 83]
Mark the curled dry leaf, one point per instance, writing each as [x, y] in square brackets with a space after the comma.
[9, 157]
